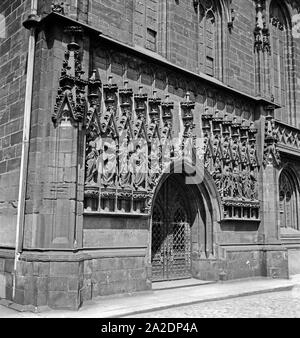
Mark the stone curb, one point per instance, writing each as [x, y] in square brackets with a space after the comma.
[199, 301]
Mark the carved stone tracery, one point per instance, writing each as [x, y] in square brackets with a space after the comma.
[71, 102]
[135, 132]
[129, 142]
[231, 158]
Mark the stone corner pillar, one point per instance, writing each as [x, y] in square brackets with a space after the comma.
[50, 270]
[274, 253]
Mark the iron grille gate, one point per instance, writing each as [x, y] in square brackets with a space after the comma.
[171, 243]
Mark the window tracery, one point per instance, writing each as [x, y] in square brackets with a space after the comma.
[208, 36]
[288, 202]
[282, 62]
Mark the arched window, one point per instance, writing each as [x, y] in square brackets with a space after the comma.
[209, 38]
[282, 62]
[288, 201]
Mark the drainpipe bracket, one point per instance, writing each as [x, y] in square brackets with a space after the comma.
[32, 21]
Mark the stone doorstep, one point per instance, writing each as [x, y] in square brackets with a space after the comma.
[181, 283]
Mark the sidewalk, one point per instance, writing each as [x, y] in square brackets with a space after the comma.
[164, 296]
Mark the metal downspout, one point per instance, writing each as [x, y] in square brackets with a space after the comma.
[29, 24]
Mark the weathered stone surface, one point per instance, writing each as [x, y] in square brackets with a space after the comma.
[13, 53]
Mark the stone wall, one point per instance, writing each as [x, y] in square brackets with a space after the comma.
[13, 54]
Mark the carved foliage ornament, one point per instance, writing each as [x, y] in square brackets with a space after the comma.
[57, 7]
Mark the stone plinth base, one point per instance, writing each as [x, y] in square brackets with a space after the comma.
[65, 281]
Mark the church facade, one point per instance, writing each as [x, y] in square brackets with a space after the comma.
[146, 141]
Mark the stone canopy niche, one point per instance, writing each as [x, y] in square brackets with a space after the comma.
[230, 157]
[126, 138]
[129, 147]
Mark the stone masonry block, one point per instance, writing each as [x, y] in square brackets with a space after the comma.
[64, 268]
[9, 265]
[58, 283]
[41, 269]
[42, 284]
[30, 297]
[64, 300]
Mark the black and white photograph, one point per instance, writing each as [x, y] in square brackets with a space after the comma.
[149, 163]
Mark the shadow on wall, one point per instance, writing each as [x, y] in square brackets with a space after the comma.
[240, 226]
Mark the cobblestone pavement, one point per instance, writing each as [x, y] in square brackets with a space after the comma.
[284, 304]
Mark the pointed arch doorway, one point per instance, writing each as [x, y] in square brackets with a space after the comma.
[172, 217]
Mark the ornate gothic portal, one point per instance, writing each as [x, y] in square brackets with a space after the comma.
[172, 219]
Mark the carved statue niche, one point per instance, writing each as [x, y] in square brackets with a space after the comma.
[217, 174]
[140, 104]
[110, 100]
[236, 159]
[188, 118]
[245, 126]
[139, 157]
[125, 171]
[226, 158]
[125, 137]
[244, 160]
[155, 151]
[206, 127]
[93, 131]
[139, 164]
[166, 137]
[108, 164]
[91, 170]
[253, 162]
[154, 116]
[187, 107]
[108, 148]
